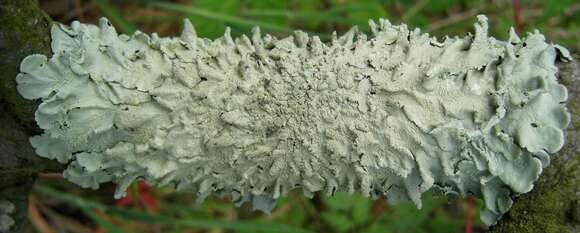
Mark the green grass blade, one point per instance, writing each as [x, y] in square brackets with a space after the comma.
[221, 17]
[116, 17]
[351, 7]
[88, 207]
[148, 218]
[303, 15]
[106, 225]
[69, 198]
[239, 225]
[332, 15]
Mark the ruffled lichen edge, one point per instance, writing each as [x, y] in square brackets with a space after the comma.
[6, 220]
[111, 105]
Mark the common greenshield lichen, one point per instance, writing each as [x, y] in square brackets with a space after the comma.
[6, 219]
[394, 114]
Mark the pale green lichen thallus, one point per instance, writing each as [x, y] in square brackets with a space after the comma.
[392, 114]
[7, 210]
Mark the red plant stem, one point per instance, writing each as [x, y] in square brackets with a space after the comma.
[516, 10]
[469, 214]
[144, 197]
[147, 199]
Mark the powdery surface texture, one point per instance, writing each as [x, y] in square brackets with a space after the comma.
[394, 115]
[6, 211]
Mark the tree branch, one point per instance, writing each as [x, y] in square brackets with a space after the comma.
[24, 31]
[553, 205]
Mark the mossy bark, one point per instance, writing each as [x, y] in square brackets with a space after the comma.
[24, 30]
[553, 205]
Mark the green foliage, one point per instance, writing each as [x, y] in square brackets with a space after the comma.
[406, 218]
[554, 7]
[89, 207]
[212, 28]
[346, 211]
[440, 6]
[211, 17]
[266, 6]
[116, 17]
[352, 213]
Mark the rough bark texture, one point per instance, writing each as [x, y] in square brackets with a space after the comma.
[553, 205]
[24, 30]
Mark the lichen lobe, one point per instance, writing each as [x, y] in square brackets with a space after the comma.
[394, 114]
[7, 222]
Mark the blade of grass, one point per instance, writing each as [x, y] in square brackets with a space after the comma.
[88, 207]
[350, 7]
[331, 15]
[226, 18]
[414, 10]
[115, 16]
[216, 16]
[69, 198]
[127, 214]
[106, 225]
[205, 223]
[36, 218]
[304, 15]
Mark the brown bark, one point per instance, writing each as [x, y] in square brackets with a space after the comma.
[553, 205]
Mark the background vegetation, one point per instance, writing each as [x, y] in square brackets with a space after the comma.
[58, 206]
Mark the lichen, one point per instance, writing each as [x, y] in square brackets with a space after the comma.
[392, 115]
[6, 220]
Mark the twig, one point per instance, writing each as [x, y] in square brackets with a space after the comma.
[64, 222]
[516, 10]
[469, 214]
[36, 218]
[413, 10]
